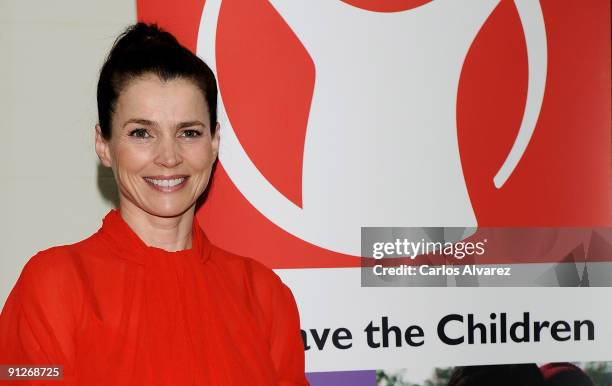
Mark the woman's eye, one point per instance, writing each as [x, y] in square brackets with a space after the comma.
[139, 133]
[191, 133]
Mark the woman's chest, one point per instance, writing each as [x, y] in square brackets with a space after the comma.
[172, 325]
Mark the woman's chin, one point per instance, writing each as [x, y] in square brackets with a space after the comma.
[173, 210]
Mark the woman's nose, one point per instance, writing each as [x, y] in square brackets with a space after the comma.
[168, 154]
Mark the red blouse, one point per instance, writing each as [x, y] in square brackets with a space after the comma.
[114, 311]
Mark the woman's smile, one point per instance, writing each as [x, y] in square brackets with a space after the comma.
[167, 184]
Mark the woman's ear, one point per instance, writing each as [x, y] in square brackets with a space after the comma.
[102, 148]
[215, 140]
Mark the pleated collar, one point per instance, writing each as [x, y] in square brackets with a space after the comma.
[131, 247]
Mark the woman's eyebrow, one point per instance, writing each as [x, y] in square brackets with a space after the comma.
[140, 121]
[190, 123]
[146, 122]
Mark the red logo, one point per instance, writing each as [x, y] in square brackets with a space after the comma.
[270, 74]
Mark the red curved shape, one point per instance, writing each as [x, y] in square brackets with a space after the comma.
[490, 104]
[266, 78]
[565, 175]
[386, 5]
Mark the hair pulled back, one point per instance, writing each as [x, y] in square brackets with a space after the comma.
[147, 49]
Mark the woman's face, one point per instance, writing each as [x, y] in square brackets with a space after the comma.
[161, 148]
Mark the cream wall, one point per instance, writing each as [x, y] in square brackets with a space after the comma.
[53, 191]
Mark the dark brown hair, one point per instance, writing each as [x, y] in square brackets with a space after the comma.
[147, 49]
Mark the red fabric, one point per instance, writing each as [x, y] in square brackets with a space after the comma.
[116, 312]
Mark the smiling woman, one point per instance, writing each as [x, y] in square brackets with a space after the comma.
[162, 148]
[148, 300]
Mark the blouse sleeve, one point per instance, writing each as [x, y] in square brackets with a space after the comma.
[286, 346]
[38, 320]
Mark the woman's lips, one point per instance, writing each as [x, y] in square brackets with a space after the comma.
[166, 183]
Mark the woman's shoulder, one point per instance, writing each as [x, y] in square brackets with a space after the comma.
[273, 298]
[45, 304]
[57, 265]
[61, 254]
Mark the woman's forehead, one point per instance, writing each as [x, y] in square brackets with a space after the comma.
[151, 98]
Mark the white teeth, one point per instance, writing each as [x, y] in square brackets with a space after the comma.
[166, 183]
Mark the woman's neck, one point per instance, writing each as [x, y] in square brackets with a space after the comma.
[167, 233]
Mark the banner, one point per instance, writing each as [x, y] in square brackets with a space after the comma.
[451, 117]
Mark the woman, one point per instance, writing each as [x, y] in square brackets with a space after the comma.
[147, 300]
